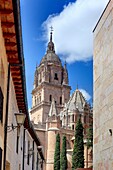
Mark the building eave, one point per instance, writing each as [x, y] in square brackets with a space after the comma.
[101, 17]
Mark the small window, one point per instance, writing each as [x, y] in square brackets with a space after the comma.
[40, 98]
[85, 119]
[72, 127]
[56, 76]
[0, 158]
[50, 98]
[72, 118]
[35, 100]
[75, 118]
[60, 100]
[1, 104]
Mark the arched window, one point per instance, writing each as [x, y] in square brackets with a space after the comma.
[56, 76]
[73, 118]
[72, 127]
[60, 100]
[35, 100]
[40, 98]
[50, 98]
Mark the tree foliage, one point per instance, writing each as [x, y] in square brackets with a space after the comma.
[78, 150]
[63, 158]
[57, 153]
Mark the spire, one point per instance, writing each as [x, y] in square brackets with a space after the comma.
[51, 44]
[36, 77]
[36, 65]
[65, 65]
[53, 110]
[77, 87]
[51, 33]
[65, 74]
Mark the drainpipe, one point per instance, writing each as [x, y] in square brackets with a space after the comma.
[23, 148]
[33, 157]
[6, 118]
[42, 164]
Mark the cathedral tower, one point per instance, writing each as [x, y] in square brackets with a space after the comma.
[50, 81]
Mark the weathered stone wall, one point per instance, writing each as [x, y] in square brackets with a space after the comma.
[103, 91]
[40, 110]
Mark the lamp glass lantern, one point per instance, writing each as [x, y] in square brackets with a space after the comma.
[20, 118]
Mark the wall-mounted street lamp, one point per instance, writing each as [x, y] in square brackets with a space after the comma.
[20, 118]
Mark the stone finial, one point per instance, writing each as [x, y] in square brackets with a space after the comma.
[53, 110]
[77, 87]
[65, 74]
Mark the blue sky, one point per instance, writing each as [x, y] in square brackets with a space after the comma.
[73, 22]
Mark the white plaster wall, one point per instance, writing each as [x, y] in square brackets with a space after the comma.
[16, 159]
[11, 156]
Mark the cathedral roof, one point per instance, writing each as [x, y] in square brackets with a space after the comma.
[50, 54]
[52, 57]
[76, 101]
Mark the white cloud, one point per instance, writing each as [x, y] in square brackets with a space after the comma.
[73, 28]
[85, 94]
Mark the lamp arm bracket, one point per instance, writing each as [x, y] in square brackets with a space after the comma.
[11, 127]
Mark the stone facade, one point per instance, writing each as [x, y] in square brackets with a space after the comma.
[54, 111]
[103, 91]
[51, 81]
[73, 109]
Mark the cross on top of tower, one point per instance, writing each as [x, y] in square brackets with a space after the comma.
[51, 29]
[51, 32]
[51, 44]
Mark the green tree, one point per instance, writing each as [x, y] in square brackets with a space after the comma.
[78, 150]
[63, 158]
[57, 153]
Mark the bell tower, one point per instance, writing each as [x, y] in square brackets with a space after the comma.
[50, 81]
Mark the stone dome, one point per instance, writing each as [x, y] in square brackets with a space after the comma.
[76, 101]
[52, 57]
